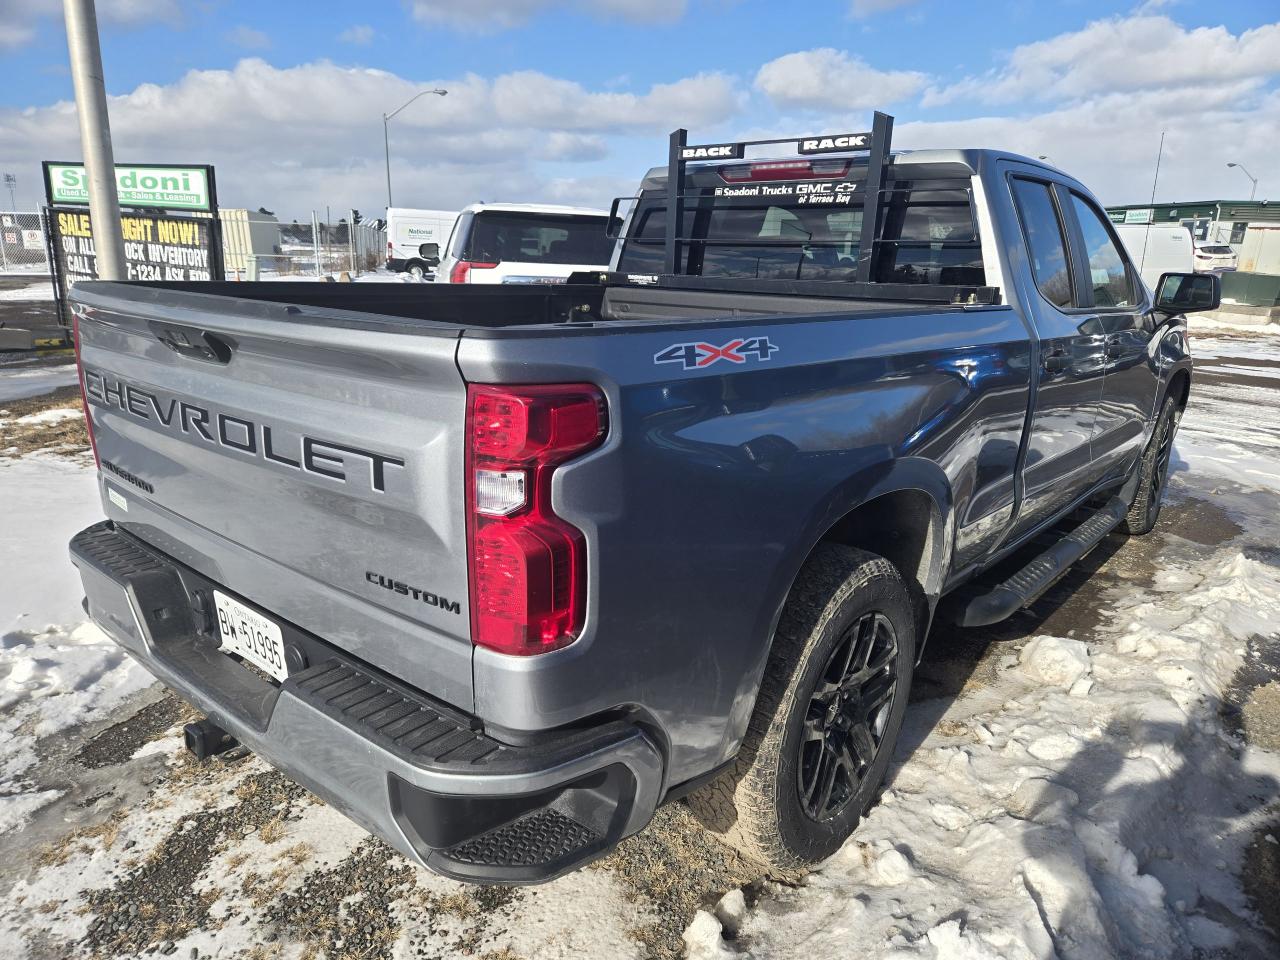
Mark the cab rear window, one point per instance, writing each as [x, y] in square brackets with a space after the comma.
[499, 237]
[927, 234]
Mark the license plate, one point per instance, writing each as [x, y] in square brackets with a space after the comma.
[246, 632]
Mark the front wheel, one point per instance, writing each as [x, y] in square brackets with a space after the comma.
[828, 714]
[1153, 471]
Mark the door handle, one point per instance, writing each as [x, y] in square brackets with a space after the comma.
[1057, 361]
[1113, 349]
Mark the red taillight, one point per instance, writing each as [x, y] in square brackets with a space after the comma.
[461, 269]
[527, 566]
[784, 170]
[84, 397]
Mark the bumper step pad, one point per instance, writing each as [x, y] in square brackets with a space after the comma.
[542, 837]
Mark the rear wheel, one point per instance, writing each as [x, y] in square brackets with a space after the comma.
[416, 269]
[1153, 471]
[828, 715]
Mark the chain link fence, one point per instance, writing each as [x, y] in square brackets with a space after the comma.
[22, 244]
[258, 247]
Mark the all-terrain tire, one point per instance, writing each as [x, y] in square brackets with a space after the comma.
[1153, 471]
[757, 806]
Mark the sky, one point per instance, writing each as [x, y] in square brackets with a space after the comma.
[570, 101]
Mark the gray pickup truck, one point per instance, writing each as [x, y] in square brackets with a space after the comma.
[498, 570]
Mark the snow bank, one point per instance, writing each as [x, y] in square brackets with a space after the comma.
[55, 669]
[17, 383]
[1089, 808]
[56, 415]
[34, 291]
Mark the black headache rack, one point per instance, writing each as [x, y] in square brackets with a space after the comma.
[875, 144]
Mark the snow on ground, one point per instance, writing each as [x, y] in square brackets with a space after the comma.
[1084, 806]
[18, 381]
[35, 291]
[56, 670]
[44, 417]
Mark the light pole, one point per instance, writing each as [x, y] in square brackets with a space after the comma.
[1254, 189]
[11, 182]
[386, 136]
[95, 137]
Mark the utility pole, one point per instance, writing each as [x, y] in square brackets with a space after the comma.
[95, 136]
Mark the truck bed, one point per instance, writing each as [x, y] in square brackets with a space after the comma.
[443, 308]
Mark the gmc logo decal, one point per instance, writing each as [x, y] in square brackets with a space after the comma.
[693, 356]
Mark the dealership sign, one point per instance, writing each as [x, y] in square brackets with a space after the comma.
[140, 185]
[155, 248]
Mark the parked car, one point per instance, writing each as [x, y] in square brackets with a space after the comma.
[1214, 258]
[497, 570]
[415, 239]
[526, 243]
[1157, 250]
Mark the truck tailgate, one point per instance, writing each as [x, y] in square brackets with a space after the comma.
[310, 462]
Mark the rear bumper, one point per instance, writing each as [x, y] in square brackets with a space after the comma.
[417, 773]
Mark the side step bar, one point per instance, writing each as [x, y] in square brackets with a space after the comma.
[1007, 598]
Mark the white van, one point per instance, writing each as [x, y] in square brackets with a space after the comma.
[416, 238]
[1158, 249]
[525, 243]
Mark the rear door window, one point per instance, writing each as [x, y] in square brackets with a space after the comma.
[1046, 241]
[499, 237]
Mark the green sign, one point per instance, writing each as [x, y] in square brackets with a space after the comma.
[169, 188]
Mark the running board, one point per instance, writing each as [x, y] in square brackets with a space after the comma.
[1008, 597]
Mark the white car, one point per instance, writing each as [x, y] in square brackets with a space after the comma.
[1214, 258]
[525, 243]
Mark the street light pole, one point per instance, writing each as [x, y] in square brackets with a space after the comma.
[386, 135]
[1254, 189]
[95, 137]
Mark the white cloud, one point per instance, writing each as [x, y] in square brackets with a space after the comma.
[19, 18]
[1109, 142]
[835, 80]
[1130, 53]
[361, 35]
[484, 16]
[249, 38]
[861, 9]
[294, 138]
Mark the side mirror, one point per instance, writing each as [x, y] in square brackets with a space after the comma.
[432, 261]
[1188, 292]
[613, 229]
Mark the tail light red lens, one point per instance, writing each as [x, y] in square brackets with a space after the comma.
[84, 397]
[461, 272]
[527, 565]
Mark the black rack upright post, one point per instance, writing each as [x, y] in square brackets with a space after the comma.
[675, 203]
[881, 132]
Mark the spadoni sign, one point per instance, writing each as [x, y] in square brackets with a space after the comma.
[141, 185]
[160, 243]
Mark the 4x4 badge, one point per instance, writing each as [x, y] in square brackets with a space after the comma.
[694, 355]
